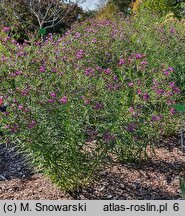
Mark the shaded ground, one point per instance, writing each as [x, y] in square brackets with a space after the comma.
[157, 178]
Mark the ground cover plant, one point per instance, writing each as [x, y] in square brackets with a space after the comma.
[101, 90]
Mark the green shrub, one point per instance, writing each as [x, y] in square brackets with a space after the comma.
[163, 6]
[93, 93]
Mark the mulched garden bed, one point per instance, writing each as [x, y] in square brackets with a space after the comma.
[158, 178]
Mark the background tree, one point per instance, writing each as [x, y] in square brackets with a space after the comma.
[107, 11]
[109, 8]
[136, 5]
[122, 5]
[163, 6]
[52, 15]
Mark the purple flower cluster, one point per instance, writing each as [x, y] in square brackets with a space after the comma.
[79, 54]
[89, 71]
[108, 86]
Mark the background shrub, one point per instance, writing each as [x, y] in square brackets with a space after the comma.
[163, 6]
[29, 16]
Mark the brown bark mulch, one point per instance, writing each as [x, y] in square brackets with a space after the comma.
[158, 178]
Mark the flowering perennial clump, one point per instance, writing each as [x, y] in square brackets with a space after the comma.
[82, 87]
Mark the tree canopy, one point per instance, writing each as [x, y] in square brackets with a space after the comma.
[53, 15]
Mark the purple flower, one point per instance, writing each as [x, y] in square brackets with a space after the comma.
[131, 127]
[159, 91]
[115, 78]
[98, 68]
[26, 110]
[108, 137]
[51, 101]
[144, 63]
[64, 58]
[168, 93]
[24, 92]
[176, 90]
[172, 111]
[14, 101]
[6, 39]
[107, 71]
[7, 126]
[89, 71]
[139, 91]
[77, 35]
[130, 84]
[172, 30]
[3, 58]
[79, 54]
[121, 62]
[98, 106]
[14, 128]
[18, 72]
[170, 69]
[156, 118]
[155, 82]
[42, 69]
[131, 109]
[130, 59]
[6, 29]
[169, 102]
[86, 100]
[53, 94]
[138, 56]
[145, 96]
[32, 124]
[54, 70]
[20, 107]
[63, 100]
[172, 84]
[167, 73]
[94, 40]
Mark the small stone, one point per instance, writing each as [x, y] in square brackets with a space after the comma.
[137, 181]
[102, 188]
[109, 196]
[23, 176]
[122, 186]
[82, 197]
[19, 168]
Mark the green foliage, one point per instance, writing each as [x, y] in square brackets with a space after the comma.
[162, 39]
[89, 14]
[107, 12]
[122, 5]
[163, 6]
[112, 8]
[2, 49]
[103, 89]
[182, 10]
[182, 187]
[136, 5]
